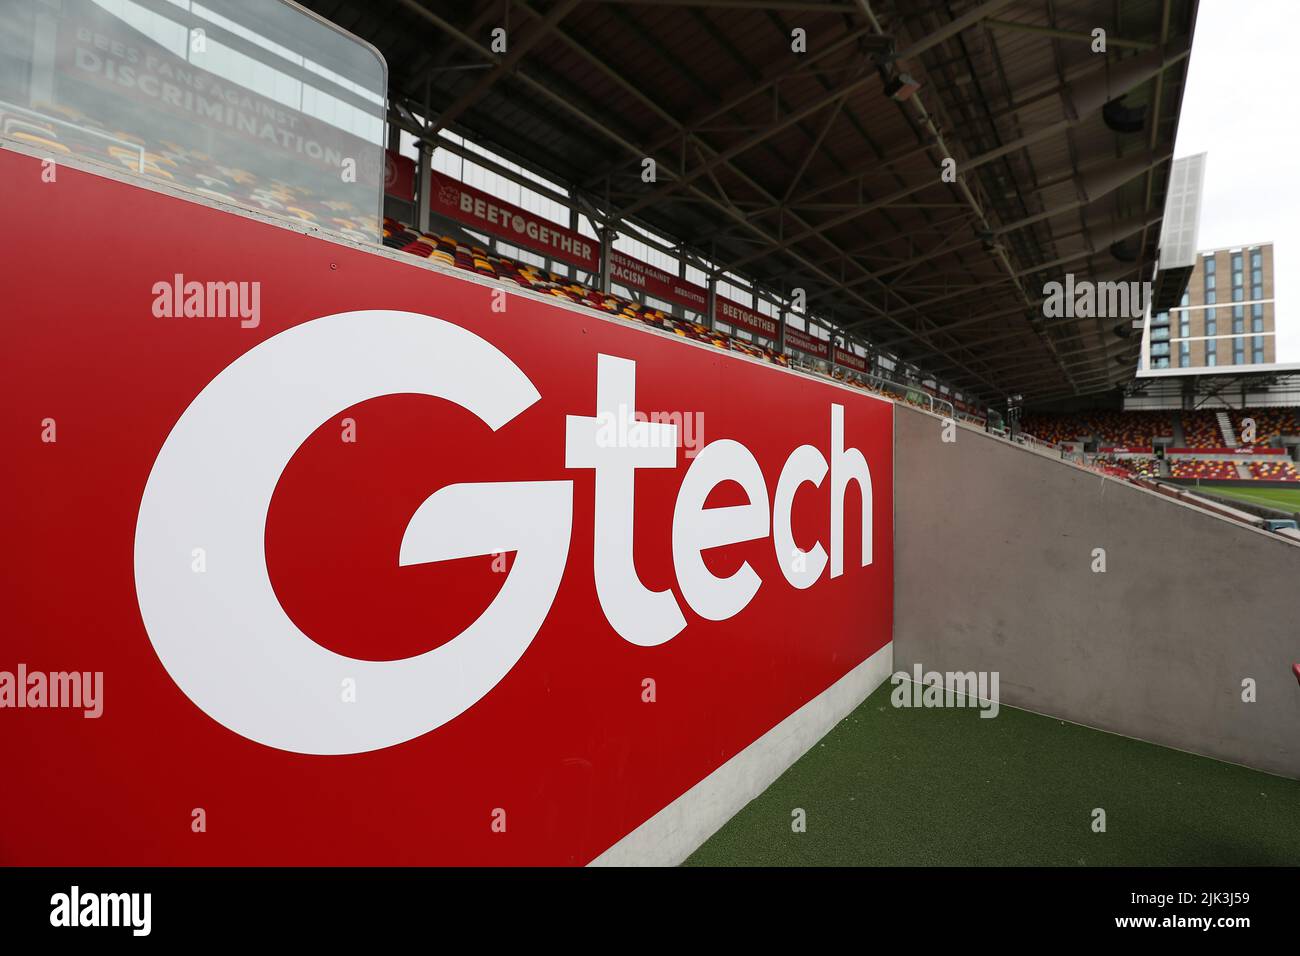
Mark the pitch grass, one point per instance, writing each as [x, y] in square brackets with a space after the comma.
[1284, 499]
[917, 787]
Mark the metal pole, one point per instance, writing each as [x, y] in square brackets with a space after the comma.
[423, 198]
[606, 258]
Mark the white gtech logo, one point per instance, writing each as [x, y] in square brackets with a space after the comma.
[231, 648]
[223, 636]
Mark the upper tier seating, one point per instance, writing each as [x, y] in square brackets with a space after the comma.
[1139, 428]
[193, 169]
[1127, 429]
[1270, 424]
[1055, 428]
[449, 252]
[1201, 429]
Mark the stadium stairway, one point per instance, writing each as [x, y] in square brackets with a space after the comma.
[1095, 600]
[1225, 427]
[1180, 437]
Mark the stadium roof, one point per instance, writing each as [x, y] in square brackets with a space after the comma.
[1274, 384]
[1262, 371]
[799, 171]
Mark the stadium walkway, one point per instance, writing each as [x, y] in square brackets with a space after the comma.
[892, 786]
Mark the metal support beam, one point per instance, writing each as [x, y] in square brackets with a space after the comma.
[424, 179]
[731, 152]
[812, 265]
[813, 150]
[1068, 34]
[811, 6]
[607, 236]
[515, 51]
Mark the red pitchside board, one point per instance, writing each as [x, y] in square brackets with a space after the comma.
[563, 742]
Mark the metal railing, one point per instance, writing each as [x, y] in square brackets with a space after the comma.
[912, 394]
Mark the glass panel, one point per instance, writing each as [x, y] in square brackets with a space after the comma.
[254, 102]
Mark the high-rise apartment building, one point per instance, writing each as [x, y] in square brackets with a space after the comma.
[1226, 316]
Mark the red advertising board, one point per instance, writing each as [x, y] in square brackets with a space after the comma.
[805, 343]
[478, 210]
[849, 360]
[642, 277]
[399, 176]
[1126, 449]
[364, 571]
[741, 317]
[1243, 450]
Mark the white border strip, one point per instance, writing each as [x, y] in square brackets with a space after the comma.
[676, 831]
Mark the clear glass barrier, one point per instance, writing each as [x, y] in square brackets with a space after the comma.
[255, 102]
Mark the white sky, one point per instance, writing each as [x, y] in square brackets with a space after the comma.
[1241, 109]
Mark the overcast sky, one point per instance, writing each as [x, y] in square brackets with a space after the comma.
[1241, 109]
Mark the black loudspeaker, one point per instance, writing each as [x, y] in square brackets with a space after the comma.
[1122, 118]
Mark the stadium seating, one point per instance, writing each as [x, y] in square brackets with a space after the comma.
[1142, 467]
[1201, 429]
[1054, 428]
[1270, 424]
[199, 172]
[177, 165]
[1127, 429]
[449, 252]
[1204, 470]
[1274, 471]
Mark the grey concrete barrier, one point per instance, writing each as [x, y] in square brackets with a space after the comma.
[996, 557]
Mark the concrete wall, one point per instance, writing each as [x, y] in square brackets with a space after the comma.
[993, 551]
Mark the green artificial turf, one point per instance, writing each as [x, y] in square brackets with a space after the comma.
[942, 786]
[1284, 499]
